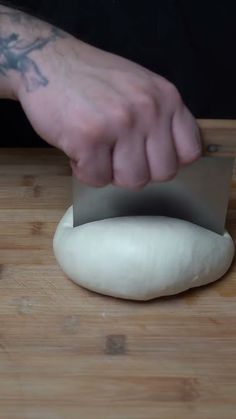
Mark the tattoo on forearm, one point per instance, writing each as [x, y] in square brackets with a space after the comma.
[15, 55]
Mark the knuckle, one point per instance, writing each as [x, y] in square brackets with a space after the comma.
[192, 156]
[93, 131]
[146, 102]
[122, 115]
[163, 177]
[136, 185]
[98, 183]
[94, 182]
[172, 93]
[132, 184]
[90, 179]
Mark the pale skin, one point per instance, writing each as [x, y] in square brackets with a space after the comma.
[117, 121]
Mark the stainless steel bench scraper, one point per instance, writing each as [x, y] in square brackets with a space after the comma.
[199, 193]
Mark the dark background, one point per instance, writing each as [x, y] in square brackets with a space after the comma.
[191, 43]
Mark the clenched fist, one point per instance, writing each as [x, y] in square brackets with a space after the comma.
[117, 121]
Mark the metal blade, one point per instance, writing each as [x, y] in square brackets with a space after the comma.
[199, 194]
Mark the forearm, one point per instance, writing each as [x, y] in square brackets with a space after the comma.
[25, 43]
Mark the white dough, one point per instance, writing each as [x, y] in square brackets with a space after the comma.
[141, 258]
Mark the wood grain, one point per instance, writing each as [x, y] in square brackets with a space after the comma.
[67, 353]
[218, 137]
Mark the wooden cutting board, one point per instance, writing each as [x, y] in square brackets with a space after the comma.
[67, 353]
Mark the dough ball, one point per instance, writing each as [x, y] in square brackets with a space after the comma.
[142, 257]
